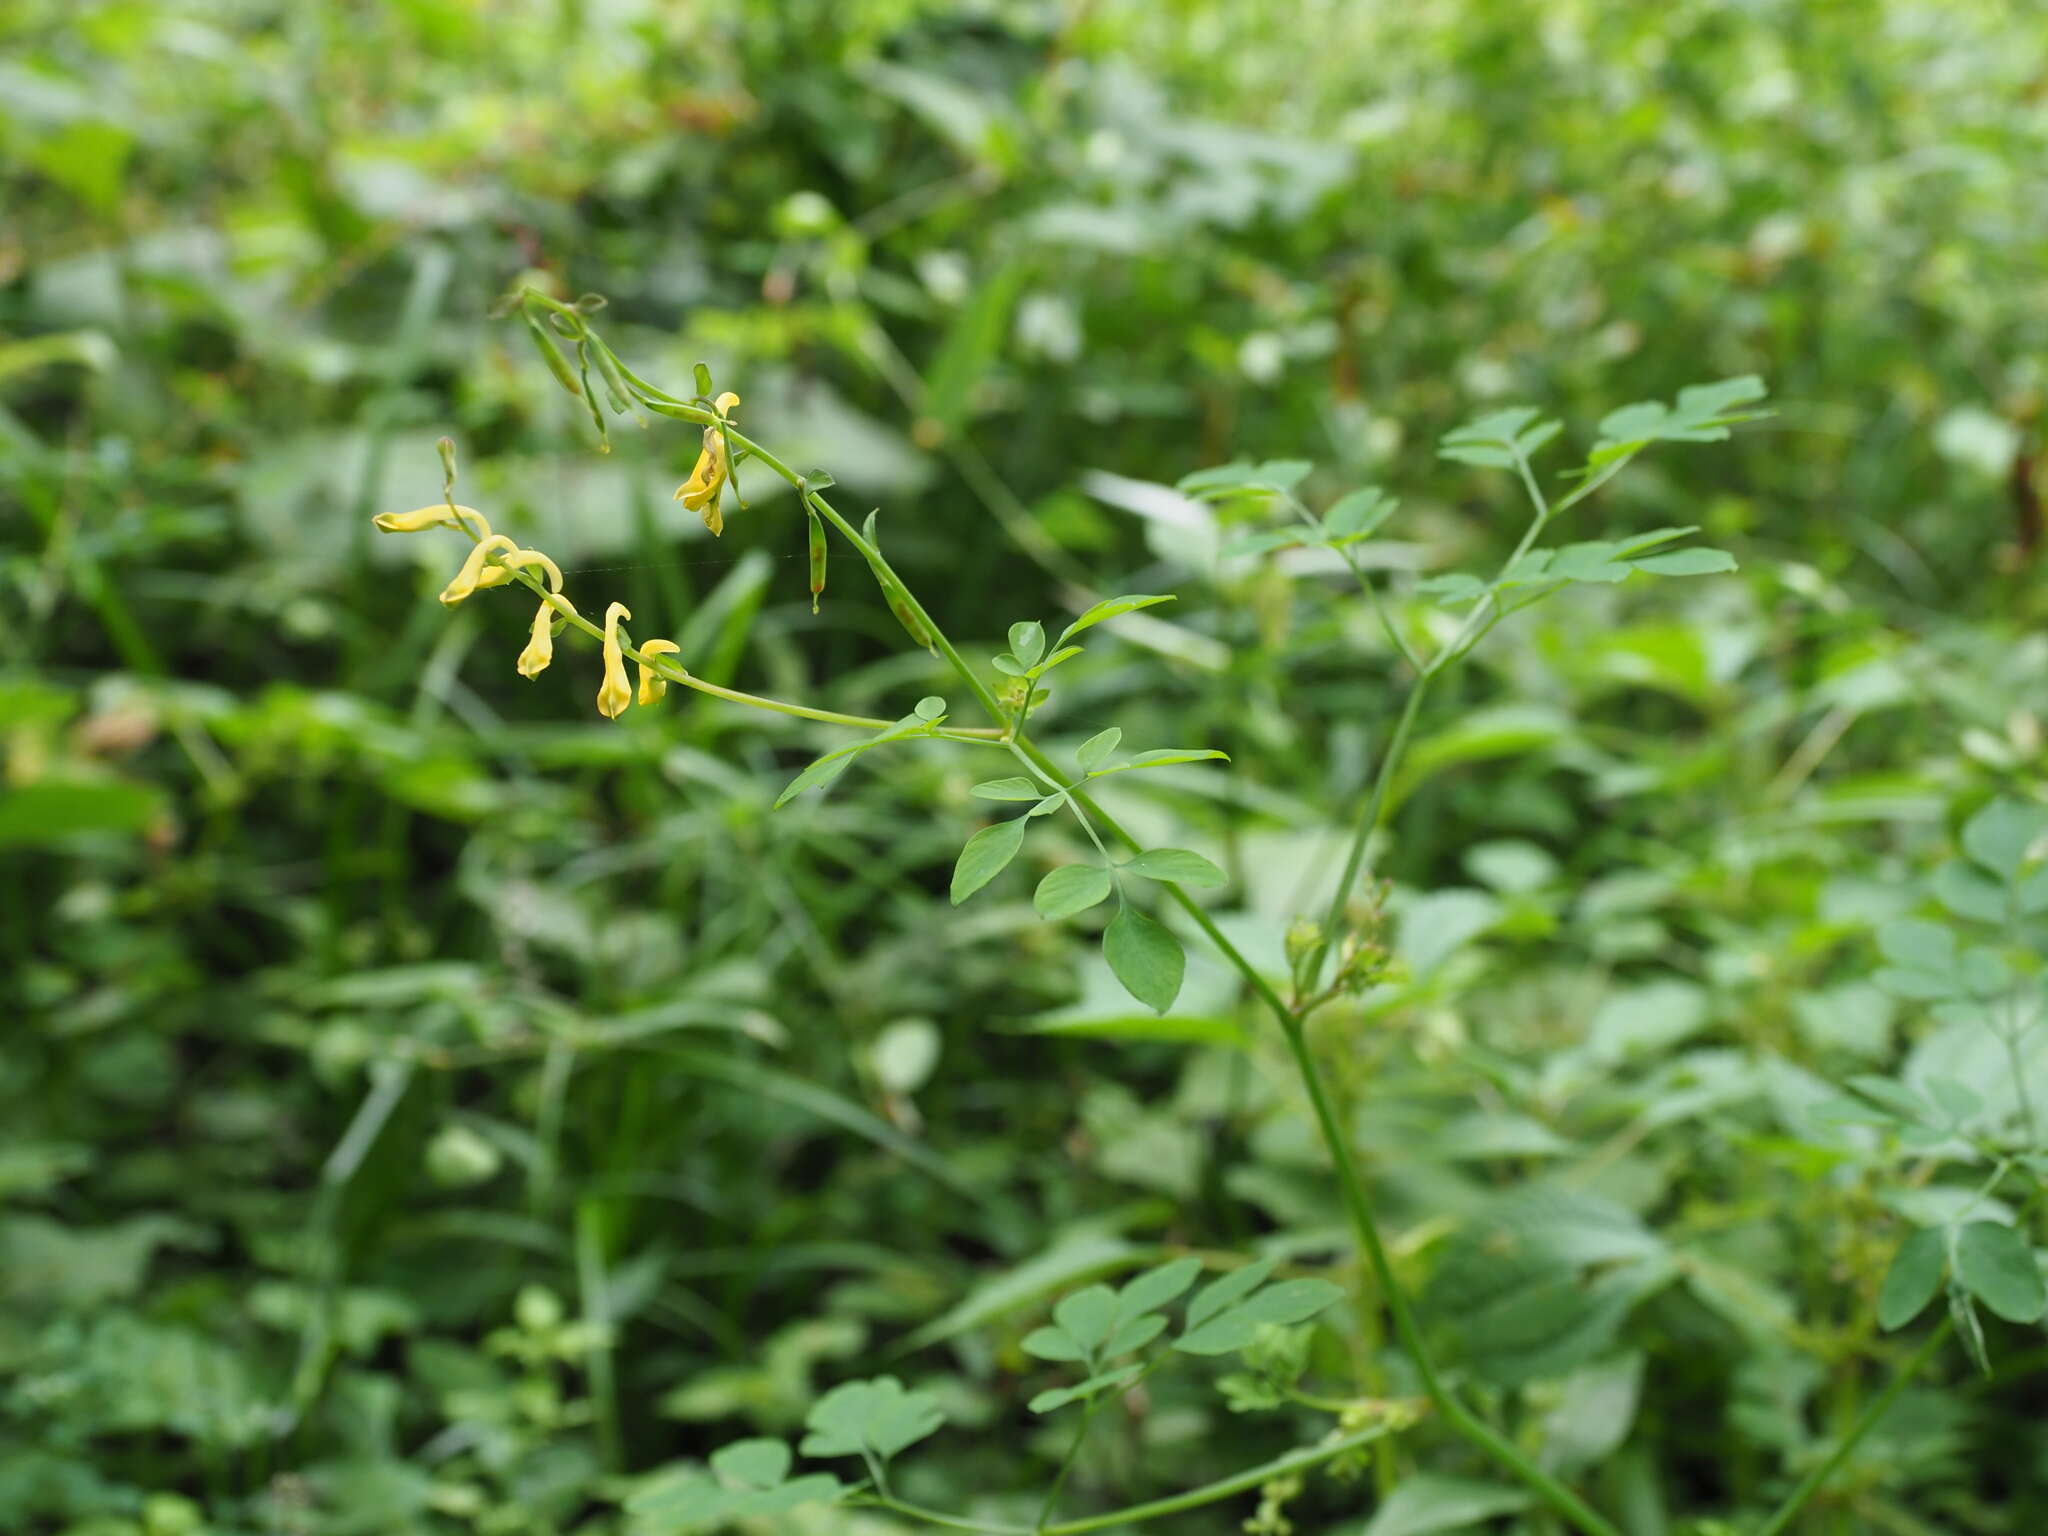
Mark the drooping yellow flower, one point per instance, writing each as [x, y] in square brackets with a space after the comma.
[652, 684]
[540, 648]
[474, 570]
[440, 515]
[701, 492]
[614, 695]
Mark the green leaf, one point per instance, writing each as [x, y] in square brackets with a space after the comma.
[1454, 587]
[970, 347]
[1997, 837]
[1054, 1344]
[1016, 787]
[1134, 1333]
[1920, 945]
[1687, 562]
[877, 1417]
[1220, 1294]
[1176, 865]
[1274, 476]
[1996, 1265]
[1359, 514]
[1703, 414]
[1161, 757]
[818, 774]
[1156, 1287]
[1913, 1278]
[1425, 1504]
[1289, 1301]
[1027, 641]
[52, 810]
[1110, 608]
[986, 854]
[1145, 956]
[1059, 1397]
[930, 708]
[1087, 1316]
[1007, 664]
[754, 1463]
[1098, 746]
[1967, 893]
[690, 1501]
[1071, 888]
[1263, 542]
[1085, 1251]
[1064, 653]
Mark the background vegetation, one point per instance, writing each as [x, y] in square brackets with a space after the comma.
[427, 1106]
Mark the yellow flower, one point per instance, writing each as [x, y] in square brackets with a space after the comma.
[440, 515]
[540, 649]
[614, 695]
[652, 684]
[700, 493]
[474, 571]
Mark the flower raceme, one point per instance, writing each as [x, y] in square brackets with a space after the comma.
[495, 560]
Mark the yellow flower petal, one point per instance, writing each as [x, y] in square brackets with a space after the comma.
[472, 574]
[440, 515]
[700, 493]
[614, 695]
[540, 649]
[652, 684]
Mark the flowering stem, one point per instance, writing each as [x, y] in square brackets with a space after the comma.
[1469, 1426]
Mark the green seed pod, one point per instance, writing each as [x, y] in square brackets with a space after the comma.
[817, 537]
[550, 354]
[907, 617]
[604, 438]
[445, 446]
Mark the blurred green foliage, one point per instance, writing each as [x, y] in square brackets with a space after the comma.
[428, 1107]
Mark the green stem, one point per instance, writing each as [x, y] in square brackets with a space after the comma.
[1878, 1408]
[1368, 823]
[1059, 1481]
[949, 1522]
[1474, 1430]
[1223, 1488]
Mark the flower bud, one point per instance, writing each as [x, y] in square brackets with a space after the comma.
[440, 515]
[652, 684]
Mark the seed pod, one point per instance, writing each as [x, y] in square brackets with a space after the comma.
[817, 536]
[912, 626]
[445, 446]
[550, 354]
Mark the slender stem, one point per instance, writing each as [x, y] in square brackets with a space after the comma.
[1223, 1488]
[949, 1522]
[1368, 823]
[1059, 1481]
[1461, 1419]
[1879, 1406]
[1372, 593]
